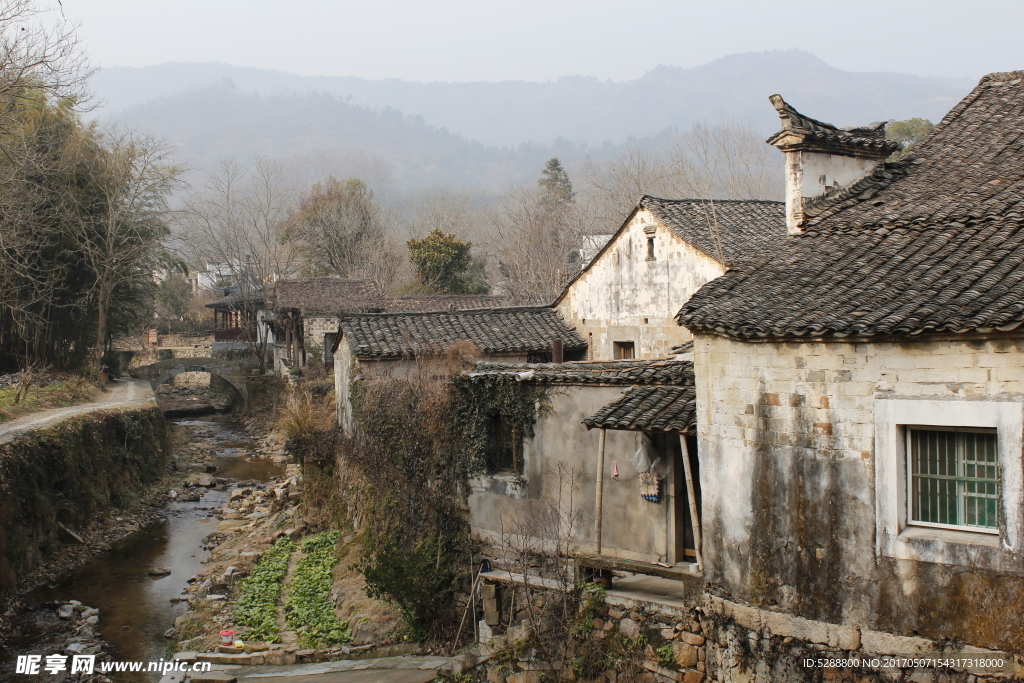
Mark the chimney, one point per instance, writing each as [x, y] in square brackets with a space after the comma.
[822, 159]
[556, 350]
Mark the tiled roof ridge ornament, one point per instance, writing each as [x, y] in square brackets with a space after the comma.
[791, 118]
[823, 160]
[799, 130]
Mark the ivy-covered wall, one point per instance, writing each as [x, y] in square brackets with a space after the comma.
[67, 475]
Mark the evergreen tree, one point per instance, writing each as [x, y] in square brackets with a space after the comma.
[444, 265]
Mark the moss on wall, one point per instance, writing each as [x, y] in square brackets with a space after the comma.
[67, 475]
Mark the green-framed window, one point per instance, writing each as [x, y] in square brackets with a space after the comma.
[954, 477]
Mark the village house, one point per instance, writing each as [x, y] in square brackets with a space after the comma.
[307, 311]
[391, 343]
[615, 433]
[624, 300]
[860, 390]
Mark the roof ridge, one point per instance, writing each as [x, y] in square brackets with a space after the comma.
[460, 312]
[716, 201]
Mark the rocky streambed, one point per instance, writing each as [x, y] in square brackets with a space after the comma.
[139, 571]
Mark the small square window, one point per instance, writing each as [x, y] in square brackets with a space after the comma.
[954, 478]
[623, 350]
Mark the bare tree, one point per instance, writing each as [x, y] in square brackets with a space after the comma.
[534, 254]
[238, 220]
[725, 161]
[120, 221]
[40, 61]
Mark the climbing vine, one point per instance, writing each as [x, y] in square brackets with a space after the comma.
[417, 442]
[478, 400]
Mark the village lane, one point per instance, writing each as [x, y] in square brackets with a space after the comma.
[125, 393]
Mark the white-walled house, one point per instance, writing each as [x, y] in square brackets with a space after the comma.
[624, 301]
[860, 389]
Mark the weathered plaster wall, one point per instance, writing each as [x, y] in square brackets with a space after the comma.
[623, 296]
[810, 174]
[633, 528]
[787, 449]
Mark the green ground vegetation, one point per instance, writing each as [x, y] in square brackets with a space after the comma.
[258, 593]
[308, 606]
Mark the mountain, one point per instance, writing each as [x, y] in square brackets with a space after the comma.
[474, 134]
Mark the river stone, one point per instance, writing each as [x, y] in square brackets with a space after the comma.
[93, 620]
[159, 571]
[75, 649]
[66, 611]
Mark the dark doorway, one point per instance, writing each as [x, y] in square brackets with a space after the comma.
[670, 450]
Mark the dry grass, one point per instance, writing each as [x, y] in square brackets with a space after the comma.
[69, 391]
[304, 414]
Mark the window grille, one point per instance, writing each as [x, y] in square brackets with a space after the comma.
[954, 477]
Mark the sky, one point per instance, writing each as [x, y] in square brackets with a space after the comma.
[492, 40]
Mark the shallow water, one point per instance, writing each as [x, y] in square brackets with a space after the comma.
[135, 608]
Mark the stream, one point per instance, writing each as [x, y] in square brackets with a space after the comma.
[135, 607]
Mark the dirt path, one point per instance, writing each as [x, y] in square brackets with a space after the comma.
[125, 393]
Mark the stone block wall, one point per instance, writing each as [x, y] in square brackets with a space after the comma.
[788, 475]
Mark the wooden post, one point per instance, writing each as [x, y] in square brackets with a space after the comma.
[694, 520]
[600, 492]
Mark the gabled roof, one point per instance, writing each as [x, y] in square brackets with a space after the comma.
[934, 244]
[653, 409]
[492, 330]
[662, 396]
[745, 227]
[441, 302]
[727, 230]
[327, 296]
[603, 373]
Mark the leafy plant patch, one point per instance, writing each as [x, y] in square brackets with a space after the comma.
[258, 593]
[308, 606]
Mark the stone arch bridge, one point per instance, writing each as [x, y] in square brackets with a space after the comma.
[234, 372]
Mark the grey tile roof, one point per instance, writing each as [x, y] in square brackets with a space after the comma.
[658, 408]
[327, 296]
[868, 141]
[237, 300]
[624, 372]
[492, 330]
[441, 302]
[967, 169]
[744, 227]
[934, 244]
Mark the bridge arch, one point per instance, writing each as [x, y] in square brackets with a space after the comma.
[232, 372]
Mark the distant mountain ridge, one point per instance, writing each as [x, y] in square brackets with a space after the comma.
[488, 134]
[584, 109]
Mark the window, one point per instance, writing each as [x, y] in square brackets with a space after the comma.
[623, 351]
[538, 357]
[329, 338]
[949, 478]
[504, 446]
[650, 248]
[954, 477]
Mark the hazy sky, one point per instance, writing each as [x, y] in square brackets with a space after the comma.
[457, 40]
